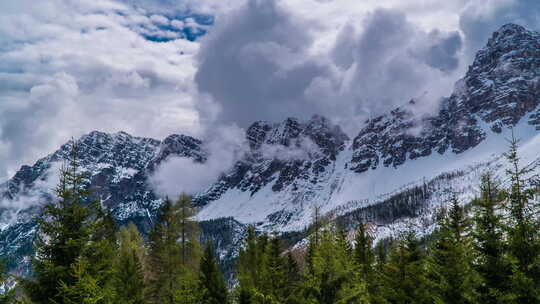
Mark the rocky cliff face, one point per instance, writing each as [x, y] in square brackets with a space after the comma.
[500, 89]
[117, 168]
[282, 154]
[293, 165]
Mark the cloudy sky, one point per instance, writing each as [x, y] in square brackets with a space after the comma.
[152, 68]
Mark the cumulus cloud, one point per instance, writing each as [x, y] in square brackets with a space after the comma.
[253, 71]
[175, 6]
[255, 64]
[178, 175]
[386, 61]
[70, 67]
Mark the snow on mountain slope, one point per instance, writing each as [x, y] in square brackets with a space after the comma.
[499, 91]
[399, 168]
[414, 205]
[117, 166]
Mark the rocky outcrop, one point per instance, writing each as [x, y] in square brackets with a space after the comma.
[500, 88]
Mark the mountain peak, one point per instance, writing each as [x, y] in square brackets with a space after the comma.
[510, 29]
[501, 84]
[512, 34]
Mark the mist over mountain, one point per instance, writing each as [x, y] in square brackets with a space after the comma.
[395, 171]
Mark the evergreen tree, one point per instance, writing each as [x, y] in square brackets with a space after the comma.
[363, 251]
[369, 266]
[100, 252]
[332, 277]
[171, 277]
[404, 276]
[280, 273]
[128, 267]
[213, 287]
[492, 265]
[68, 251]
[249, 265]
[451, 272]
[265, 273]
[524, 245]
[86, 289]
[293, 280]
[189, 233]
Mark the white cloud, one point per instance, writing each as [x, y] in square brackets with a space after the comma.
[161, 20]
[176, 175]
[178, 24]
[75, 66]
[302, 148]
[27, 199]
[68, 67]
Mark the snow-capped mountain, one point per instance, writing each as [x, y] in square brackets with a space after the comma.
[499, 91]
[398, 169]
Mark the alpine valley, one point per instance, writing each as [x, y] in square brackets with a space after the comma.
[395, 173]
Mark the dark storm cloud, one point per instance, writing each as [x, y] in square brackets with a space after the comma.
[255, 64]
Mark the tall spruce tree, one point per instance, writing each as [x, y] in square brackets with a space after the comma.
[213, 287]
[332, 278]
[129, 267]
[280, 273]
[172, 278]
[451, 273]
[370, 262]
[189, 233]
[68, 253]
[522, 228]
[249, 266]
[492, 263]
[404, 275]
[363, 251]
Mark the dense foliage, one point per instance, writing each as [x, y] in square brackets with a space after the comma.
[488, 252]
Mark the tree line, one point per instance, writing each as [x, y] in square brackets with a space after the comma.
[486, 252]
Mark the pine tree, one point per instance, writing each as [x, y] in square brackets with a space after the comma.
[67, 243]
[128, 267]
[451, 272]
[255, 285]
[293, 280]
[280, 273]
[332, 277]
[249, 266]
[365, 260]
[492, 264]
[404, 275]
[100, 252]
[363, 252]
[173, 256]
[86, 289]
[189, 233]
[524, 245]
[212, 285]
[164, 257]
